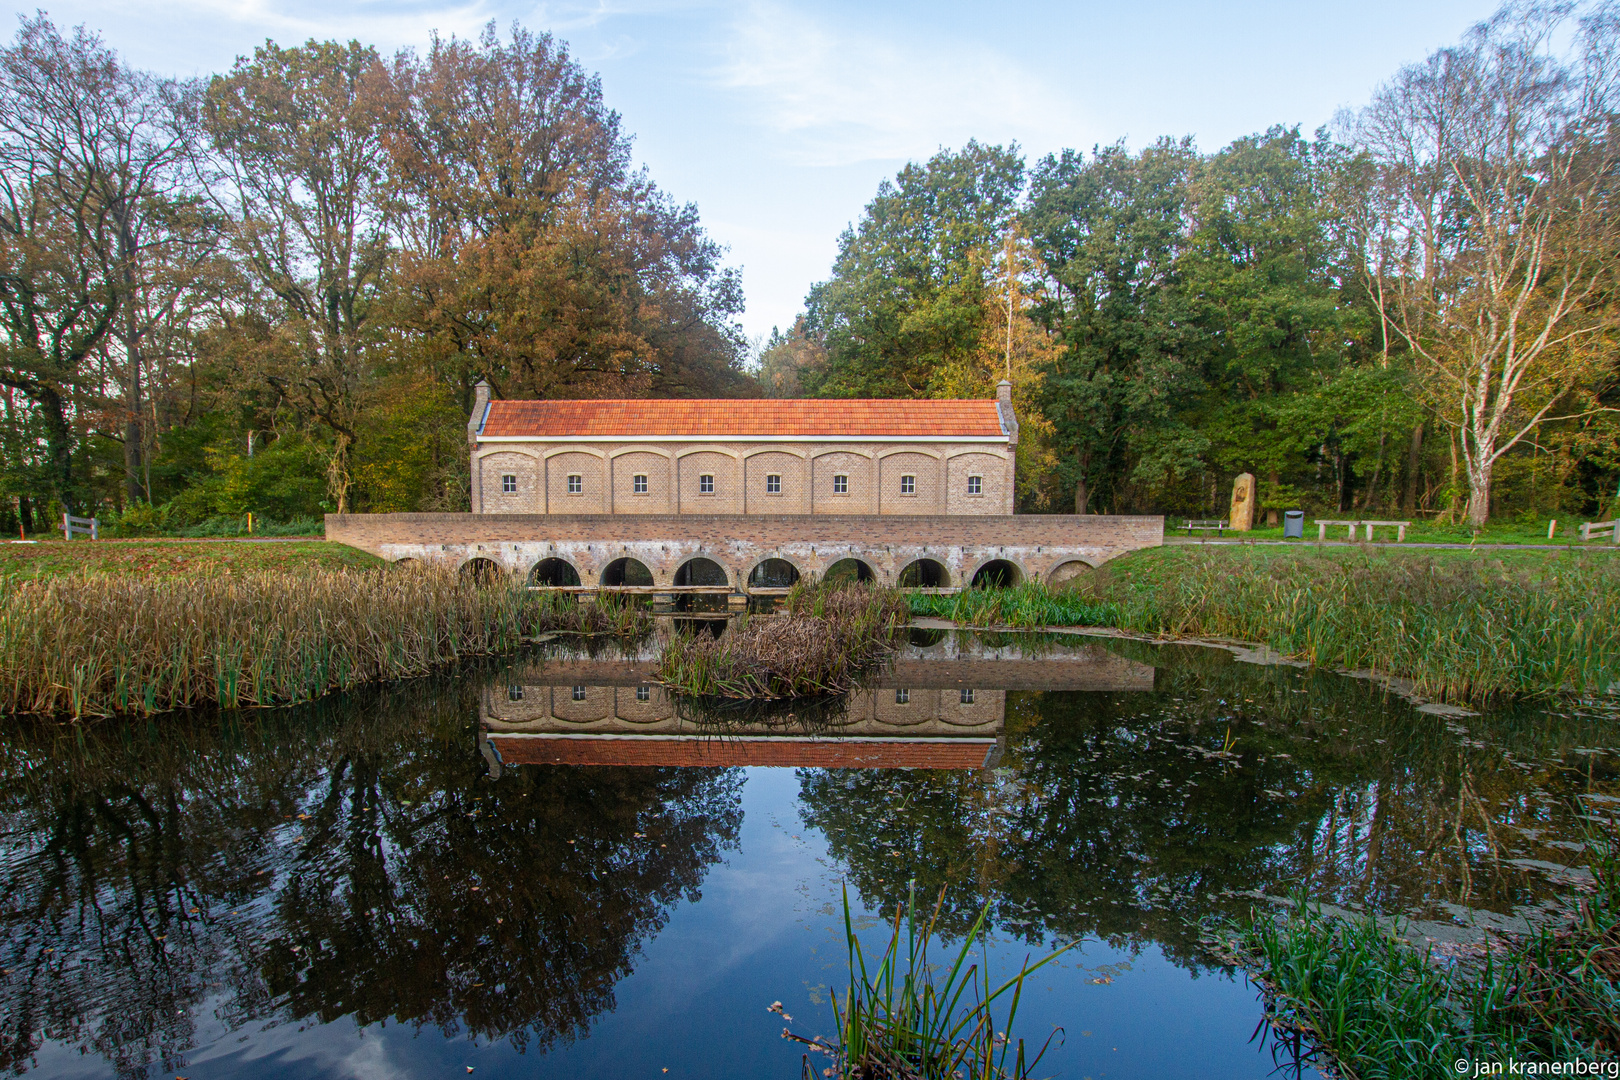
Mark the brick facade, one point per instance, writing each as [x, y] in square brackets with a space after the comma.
[913, 458]
[873, 473]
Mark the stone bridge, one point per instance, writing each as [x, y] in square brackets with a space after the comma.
[752, 554]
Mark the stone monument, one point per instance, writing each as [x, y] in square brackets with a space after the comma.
[1242, 517]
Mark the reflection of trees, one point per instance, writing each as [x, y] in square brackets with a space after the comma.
[1125, 816]
[330, 861]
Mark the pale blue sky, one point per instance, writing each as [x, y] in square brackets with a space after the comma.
[779, 118]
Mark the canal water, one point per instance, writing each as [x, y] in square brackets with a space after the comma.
[550, 868]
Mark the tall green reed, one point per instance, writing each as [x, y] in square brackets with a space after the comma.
[1381, 1007]
[1459, 629]
[904, 1018]
[101, 644]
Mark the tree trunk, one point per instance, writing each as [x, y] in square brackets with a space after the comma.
[1414, 455]
[1082, 492]
[1479, 490]
[58, 445]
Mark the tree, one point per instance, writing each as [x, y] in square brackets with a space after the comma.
[59, 285]
[1109, 231]
[533, 255]
[909, 293]
[298, 140]
[1495, 248]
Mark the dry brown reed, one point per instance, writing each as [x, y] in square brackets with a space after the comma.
[825, 638]
[101, 644]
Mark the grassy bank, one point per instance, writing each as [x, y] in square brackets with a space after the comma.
[99, 644]
[1461, 626]
[1380, 1007]
[1420, 532]
[167, 558]
[825, 637]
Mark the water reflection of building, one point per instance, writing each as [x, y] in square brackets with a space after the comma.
[941, 705]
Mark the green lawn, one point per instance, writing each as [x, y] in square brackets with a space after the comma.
[1427, 532]
[162, 558]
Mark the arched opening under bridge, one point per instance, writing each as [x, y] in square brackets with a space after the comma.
[627, 571]
[925, 574]
[848, 572]
[701, 571]
[554, 573]
[996, 574]
[773, 574]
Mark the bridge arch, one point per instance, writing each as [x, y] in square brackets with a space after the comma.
[408, 563]
[849, 570]
[627, 571]
[997, 574]
[773, 573]
[481, 571]
[924, 573]
[1068, 575]
[554, 572]
[701, 570]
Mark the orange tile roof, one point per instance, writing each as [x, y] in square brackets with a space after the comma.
[732, 418]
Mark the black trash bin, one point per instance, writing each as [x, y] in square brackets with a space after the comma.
[1294, 524]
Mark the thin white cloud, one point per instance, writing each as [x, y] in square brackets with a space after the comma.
[390, 25]
[840, 95]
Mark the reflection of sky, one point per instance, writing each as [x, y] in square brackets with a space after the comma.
[780, 117]
[769, 927]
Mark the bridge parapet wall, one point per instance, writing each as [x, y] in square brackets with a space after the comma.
[1041, 547]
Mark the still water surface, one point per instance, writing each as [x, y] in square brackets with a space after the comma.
[549, 868]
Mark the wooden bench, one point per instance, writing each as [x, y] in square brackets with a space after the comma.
[1592, 530]
[1218, 527]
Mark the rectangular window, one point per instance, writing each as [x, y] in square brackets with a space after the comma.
[902, 697]
[840, 484]
[706, 484]
[908, 485]
[643, 692]
[967, 697]
[773, 484]
[638, 484]
[975, 485]
[508, 484]
[579, 693]
[514, 693]
[576, 483]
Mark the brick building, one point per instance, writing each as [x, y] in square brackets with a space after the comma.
[765, 456]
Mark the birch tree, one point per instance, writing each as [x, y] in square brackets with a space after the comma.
[1494, 250]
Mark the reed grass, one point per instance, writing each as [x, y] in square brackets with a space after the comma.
[824, 639]
[101, 644]
[1460, 629]
[1380, 1007]
[902, 1019]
